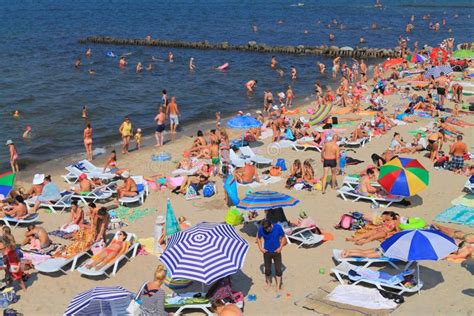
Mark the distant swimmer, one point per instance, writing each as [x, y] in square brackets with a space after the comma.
[139, 67]
[293, 72]
[84, 112]
[412, 18]
[409, 27]
[223, 66]
[322, 67]
[280, 72]
[16, 114]
[26, 133]
[91, 71]
[306, 31]
[78, 63]
[280, 22]
[250, 85]
[373, 26]
[274, 62]
[332, 37]
[170, 57]
[149, 67]
[361, 40]
[254, 28]
[192, 66]
[122, 62]
[378, 4]
[88, 53]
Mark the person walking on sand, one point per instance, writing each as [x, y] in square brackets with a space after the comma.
[330, 160]
[271, 240]
[160, 127]
[87, 135]
[173, 111]
[126, 132]
[13, 156]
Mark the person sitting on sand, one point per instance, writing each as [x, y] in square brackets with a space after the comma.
[419, 143]
[117, 247]
[296, 174]
[365, 183]
[308, 173]
[221, 308]
[17, 210]
[246, 174]
[129, 187]
[199, 179]
[447, 127]
[398, 145]
[37, 237]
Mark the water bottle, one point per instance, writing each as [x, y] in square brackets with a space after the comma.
[158, 232]
[342, 162]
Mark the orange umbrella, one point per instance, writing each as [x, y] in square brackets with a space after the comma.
[392, 62]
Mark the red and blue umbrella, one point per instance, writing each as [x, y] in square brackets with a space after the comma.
[6, 183]
[265, 200]
[403, 176]
[416, 58]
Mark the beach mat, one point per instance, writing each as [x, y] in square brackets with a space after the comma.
[318, 303]
[458, 214]
[465, 199]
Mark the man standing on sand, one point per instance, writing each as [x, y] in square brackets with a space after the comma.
[173, 112]
[271, 240]
[160, 127]
[330, 160]
[363, 72]
[457, 151]
[442, 85]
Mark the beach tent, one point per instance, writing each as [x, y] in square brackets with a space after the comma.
[321, 114]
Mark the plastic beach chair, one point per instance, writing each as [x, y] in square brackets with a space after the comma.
[380, 279]
[337, 255]
[100, 193]
[130, 253]
[186, 303]
[305, 237]
[9, 221]
[58, 264]
[143, 192]
[56, 206]
[247, 152]
[346, 192]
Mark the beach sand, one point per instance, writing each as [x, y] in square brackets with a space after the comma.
[444, 281]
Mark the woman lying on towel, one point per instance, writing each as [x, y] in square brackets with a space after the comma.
[380, 232]
[117, 247]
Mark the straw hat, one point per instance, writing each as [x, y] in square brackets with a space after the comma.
[38, 179]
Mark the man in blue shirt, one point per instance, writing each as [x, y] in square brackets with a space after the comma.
[270, 241]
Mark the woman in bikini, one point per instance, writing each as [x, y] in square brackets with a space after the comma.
[383, 231]
[87, 135]
[116, 247]
[308, 172]
[111, 164]
[152, 296]
[126, 132]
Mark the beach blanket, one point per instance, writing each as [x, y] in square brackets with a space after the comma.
[130, 215]
[465, 199]
[415, 131]
[360, 296]
[267, 181]
[458, 214]
[318, 302]
[149, 245]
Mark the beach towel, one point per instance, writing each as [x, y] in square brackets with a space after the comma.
[149, 245]
[466, 199]
[360, 296]
[130, 215]
[458, 214]
[352, 161]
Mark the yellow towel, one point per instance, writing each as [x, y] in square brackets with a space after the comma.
[149, 245]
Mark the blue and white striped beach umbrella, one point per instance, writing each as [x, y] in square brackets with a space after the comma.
[420, 244]
[265, 200]
[206, 253]
[112, 300]
[436, 71]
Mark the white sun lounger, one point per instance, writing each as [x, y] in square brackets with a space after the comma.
[384, 280]
[11, 221]
[337, 255]
[235, 160]
[58, 264]
[346, 192]
[75, 170]
[305, 237]
[469, 186]
[305, 143]
[132, 252]
[58, 206]
[353, 182]
[205, 307]
[98, 194]
[247, 152]
[356, 143]
[142, 192]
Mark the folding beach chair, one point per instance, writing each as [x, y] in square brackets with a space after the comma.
[56, 206]
[100, 193]
[356, 143]
[143, 192]
[247, 152]
[346, 192]
[58, 264]
[337, 255]
[29, 219]
[379, 279]
[305, 237]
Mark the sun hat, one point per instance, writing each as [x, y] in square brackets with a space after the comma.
[38, 179]
[126, 174]
[9, 142]
[303, 214]
[82, 176]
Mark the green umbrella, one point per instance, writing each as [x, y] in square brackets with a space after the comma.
[463, 53]
[172, 225]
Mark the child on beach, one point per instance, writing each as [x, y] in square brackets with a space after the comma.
[12, 262]
[138, 138]
[13, 156]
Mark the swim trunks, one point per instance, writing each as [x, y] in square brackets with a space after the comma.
[441, 91]
[457, 162]
[160, 128]
[215, 160]
[174, 119]
[329, 163]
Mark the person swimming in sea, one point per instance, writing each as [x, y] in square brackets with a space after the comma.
[192, 66]
[170, 57]
[149, 67]
[274, 62]
[16, 114]
[322, 67]
[122, 62]
[139, 67]
[250, 85]
[78, 63]
[26, 133]
[88, 53]
[84, 112]
[293, 72]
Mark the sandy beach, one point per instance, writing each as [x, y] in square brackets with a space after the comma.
[444, 281]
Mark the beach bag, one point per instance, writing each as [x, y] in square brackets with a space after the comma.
[9, 295]
[10, 312]
[275, 171]
[134, 306]
[191, 193]
[281, 163]
[357, 221]
[234, 217]
[290, 182]
[208, 190]
[345, 222]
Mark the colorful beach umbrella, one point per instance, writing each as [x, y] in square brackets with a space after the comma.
[206, 253]
[436, 71]
[392, 62]
[439, 54]
[265, 200]
[6, 183]
[172, 225]
[110, 300]
[463, 53]
[415, 58]
[321, 114]
[403, 176]
[419, 244]
[243, 122]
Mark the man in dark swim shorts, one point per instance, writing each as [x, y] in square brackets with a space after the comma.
[330, 160]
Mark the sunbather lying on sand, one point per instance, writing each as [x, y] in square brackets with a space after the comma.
[383, 231]
[116, 248]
